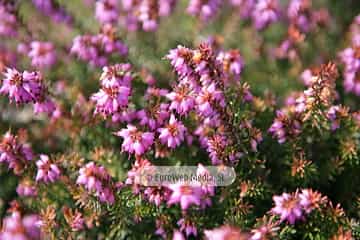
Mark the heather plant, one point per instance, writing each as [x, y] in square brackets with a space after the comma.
[93, 94]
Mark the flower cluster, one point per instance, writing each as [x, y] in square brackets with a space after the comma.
[302, 19]
[47, 171]
[96, 179]
[8, 21]
[42, 54]
[106, 11]
[293, 206]
[16, 226]
[26, 189]
[26, 87]
[145, 14]
[351, 59]
[316, 100]
[204, 74]
[245, 7]
[113, 97]
[135, 141]
[14, 153]
[205, 10]
[265, 13]
[50, 8]
[95, 49]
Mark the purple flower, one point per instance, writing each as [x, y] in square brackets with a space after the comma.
[185, 195]
[265, 13]
[180, 59]
[182, 99]
[204, 9]
[8, 22]
[352, 82]
[135, 141]
[267, 230]
[246, 7]
[173, 133]
[225, 232]
[110, 100]
[155, 116]
[20, 228]
[42, 54]
[156, 195]
[299, 13]
[96, 179]
[51, 9]
[146, 13]
[26, 189]
[288, 207]
[208, 98]
[116, 76]
[187, 226]
[22, 87]
[47, 172]
[232, 62]
[106, 11]
[285, 125]
[45, 106]
[307, 77]
[178, 236]
[86, 48]
[310, 199]
[351, 60]
[96, 49]
[110, 43]
[14, 153]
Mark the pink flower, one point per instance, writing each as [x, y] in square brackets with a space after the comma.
[180, 59]
[135, 141]
[265, 13]
[89, 177]
[47, 172]
[185, 195]
[14, 153]
[267, 230]
[22, 87]
[155, 116]
[110, 100]
[225, 233]
[232, 62]
[310, 199]
[106, 11]
[20, 228]
[204, 9]
[208, 97]
[156, 195]
[45, 106]
[26, 189]
[8, 22]
[182, 99]
[188, 226]
[288, 207]
[116, 75]
[96, 179]
[178, 236]
[173, 133]
[42, 54]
